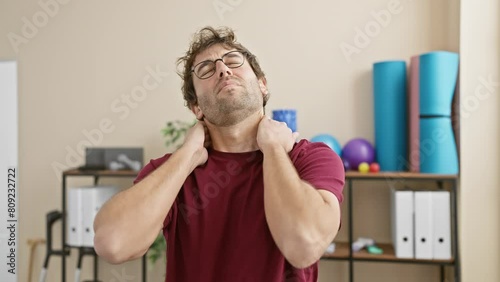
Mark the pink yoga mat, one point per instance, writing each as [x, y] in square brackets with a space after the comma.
[414, 115]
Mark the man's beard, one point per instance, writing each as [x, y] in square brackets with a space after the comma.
[223, 109]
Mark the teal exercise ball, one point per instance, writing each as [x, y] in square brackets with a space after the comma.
[330, 141]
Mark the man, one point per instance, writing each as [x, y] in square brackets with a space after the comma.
[240, 200]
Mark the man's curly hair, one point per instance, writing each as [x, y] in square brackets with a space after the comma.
[202, 40]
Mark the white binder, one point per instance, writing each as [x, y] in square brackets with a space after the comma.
[93, 198]
[423, 225]
[441, 225]
[74, 224]
[402, 223]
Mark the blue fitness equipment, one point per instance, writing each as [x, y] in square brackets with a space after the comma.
[438, 78]
[330, 141]
[289, 116]
[391, 141]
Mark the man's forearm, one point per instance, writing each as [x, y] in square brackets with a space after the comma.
[302, 221]
[127, 225]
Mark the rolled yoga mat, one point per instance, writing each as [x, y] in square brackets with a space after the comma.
[414, 115]
[391, 145]
[438, 152]
[438, 78]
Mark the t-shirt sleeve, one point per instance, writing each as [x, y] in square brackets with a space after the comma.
[145, 171]
[319, 166]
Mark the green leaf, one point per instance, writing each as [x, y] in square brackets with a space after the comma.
[157, 249]
[175, 131]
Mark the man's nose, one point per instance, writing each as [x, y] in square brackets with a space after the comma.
[222, 69]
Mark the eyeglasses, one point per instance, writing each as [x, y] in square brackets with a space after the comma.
[206, 69]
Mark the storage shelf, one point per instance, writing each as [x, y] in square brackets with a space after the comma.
[110, 173]
[354, 175]
[342, 253]
[97, 174]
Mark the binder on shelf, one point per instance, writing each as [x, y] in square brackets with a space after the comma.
[88, 217]
[423, 225]
[402, 222]
[74, 226]
[93, 199]
[441, 225]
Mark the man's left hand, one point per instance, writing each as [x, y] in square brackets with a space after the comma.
[271, 134]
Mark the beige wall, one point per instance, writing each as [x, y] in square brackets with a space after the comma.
[479, 47]
[75, 70]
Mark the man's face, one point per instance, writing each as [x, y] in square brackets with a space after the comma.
[230, 94]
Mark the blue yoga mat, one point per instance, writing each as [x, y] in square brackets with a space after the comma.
[391, 146]
[438, 77]
[438, 151]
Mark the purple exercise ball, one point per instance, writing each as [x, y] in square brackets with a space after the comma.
[357, 151]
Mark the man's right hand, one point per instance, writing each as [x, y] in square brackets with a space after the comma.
[121, 233]
[197, 140]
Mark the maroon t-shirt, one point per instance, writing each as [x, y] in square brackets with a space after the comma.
[216, 229]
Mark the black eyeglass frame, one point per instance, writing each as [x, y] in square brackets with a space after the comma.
[222, 60]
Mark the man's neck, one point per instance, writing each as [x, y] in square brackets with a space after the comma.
[238, 138]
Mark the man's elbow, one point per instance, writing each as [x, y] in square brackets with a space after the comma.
[111, 250]
[304, 254]
[303, 257]
[107, 249]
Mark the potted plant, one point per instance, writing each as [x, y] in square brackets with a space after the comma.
[174, 132]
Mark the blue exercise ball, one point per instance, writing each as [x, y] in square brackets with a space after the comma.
[330, 141]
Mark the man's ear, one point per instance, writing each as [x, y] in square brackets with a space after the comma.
[263, 86]
[197, 112]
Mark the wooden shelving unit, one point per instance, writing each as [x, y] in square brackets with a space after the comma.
[96, 174]
[343, 251]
